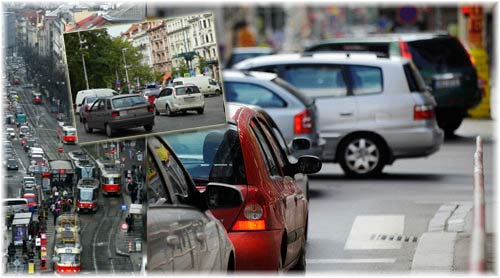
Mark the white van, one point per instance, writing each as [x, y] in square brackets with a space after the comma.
[15, 205]
[35, 151]
[207, 85]
[104, 92]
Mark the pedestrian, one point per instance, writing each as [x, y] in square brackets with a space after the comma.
[133, 193]
[130, 222]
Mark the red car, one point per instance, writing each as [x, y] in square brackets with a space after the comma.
[32, 200]
[268, 230]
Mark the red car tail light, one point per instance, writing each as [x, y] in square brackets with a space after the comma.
[423, 112]
[115, 114]
[405, 51]
[302, 123]
[253, 216]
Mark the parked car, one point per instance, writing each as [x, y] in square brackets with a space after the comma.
[15, 205]
[180, 99]
[372, 110]
[442, 60]
[239, 54]
[294, 112]
[86, 103]
[119, 112]
[206, 85]
[12, 164]
[268, 229]
[179, 215]
[101, 92]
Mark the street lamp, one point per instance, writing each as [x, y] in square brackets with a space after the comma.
[126, 67]
[83, 60]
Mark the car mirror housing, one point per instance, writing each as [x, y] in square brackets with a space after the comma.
[219, 195]
[308, 164]
[300, 144]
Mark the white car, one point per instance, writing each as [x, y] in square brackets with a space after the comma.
[11, 132]
[207, 85]
[180, 99]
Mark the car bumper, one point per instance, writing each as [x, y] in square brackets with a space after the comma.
[415, 142]
[188, 106]
[133, 122]
[257, 250]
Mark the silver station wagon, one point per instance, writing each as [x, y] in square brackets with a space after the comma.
[372, 110]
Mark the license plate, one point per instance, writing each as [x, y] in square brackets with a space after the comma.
[189, 99]
[446, 83]
[123, 113]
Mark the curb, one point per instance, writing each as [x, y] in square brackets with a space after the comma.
[436, 248]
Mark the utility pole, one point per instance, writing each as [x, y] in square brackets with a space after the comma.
[83, 60]
[126, 68]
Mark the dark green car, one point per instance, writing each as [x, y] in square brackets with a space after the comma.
[441, 59]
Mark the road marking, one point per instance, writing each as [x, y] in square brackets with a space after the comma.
[95, 243]
[352, 261]
[365, 226]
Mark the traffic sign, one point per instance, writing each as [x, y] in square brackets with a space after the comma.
[112, 151]
[407, 14]
[60, 149]
[124, 227]
[38, 241]
[17, 262]
[124, 208]
[123, 159]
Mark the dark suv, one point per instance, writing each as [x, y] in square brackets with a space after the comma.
[443, 62]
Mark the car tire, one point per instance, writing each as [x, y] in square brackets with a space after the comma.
[200, 110]
[168, 111]
[452, 125]
[148, 128]
[217, 92]
[109, 131]
[86, 127]
[362, 156]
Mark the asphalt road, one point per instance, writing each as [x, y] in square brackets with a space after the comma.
[98, 229]
[401, 202]
[213, 114]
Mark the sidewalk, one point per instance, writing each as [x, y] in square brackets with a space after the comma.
[126, 243]
[474, 127]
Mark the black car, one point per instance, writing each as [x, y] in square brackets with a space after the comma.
[12, 164]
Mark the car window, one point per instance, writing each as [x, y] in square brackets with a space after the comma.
[210, 155]
[252, 94]
[438, 54]
[271, 162]
[175, 175]
[317, 80]
[128, 101]
[212, 82]
[271, 69]
[97, 105]
[187, 90]
[275, 145]
[366, 80]
[414, 79]
[108, 104]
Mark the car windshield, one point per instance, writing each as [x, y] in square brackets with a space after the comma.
[69, 132]
[438, 54]
[86, 195]
[186, 90]
[128, 101]
[12, 161]
[211, 155]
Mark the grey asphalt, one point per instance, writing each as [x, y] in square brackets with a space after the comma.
[414, 189]
[213, 114]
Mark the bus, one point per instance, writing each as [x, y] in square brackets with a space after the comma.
[85, 169]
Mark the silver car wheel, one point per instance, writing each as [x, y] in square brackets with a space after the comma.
[362, 155]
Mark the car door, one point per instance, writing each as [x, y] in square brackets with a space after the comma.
[328, 84]
[93, 116]
[282, 191]
[160, 101]
[196, 234]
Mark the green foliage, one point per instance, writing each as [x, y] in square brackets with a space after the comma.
[183, 69]
[104, 60]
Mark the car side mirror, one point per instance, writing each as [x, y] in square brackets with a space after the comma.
[308, 164]
[299, 144]
[219, 195]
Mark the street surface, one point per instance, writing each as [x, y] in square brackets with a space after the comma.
[99, 231]
[354, 225]
[213, 115]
